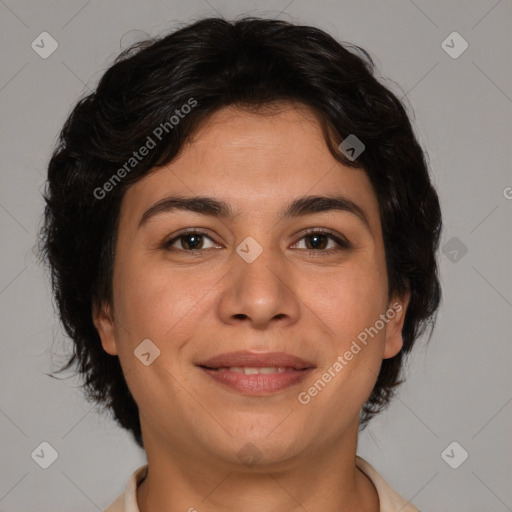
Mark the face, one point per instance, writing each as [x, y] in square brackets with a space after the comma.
[307, 284]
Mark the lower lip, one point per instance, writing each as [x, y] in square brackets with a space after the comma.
[258, 384]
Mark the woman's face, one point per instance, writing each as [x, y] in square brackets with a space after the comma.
[256, 282]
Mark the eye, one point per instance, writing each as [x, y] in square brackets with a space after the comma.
[190, 240]
[317, 240]
[193, 240]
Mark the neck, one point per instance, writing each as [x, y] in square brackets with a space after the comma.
[184, 479]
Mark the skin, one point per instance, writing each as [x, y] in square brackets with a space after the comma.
[288, 299]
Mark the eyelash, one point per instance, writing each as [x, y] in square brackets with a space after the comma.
[343, 244]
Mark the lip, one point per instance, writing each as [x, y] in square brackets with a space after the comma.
[256, 360]
[297, 370]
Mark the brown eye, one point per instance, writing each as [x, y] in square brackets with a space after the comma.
[318, 240]
[315, 240]
[190, 241]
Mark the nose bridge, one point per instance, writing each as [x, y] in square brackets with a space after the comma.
[258, 289]
[258, 265]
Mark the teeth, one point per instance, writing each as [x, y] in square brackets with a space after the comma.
[253, 371]
[271, 369]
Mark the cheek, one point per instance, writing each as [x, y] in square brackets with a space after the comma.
[353, 352]
[161, 304]
[356, 303]
[349, 299]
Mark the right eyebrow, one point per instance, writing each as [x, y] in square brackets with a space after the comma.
[198, 204]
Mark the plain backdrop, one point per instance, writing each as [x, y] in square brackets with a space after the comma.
[459, 385]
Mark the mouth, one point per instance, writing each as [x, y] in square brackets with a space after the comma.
[256, 374]
[254, 370]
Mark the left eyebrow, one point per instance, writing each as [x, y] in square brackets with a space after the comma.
[307, 205]
[302, 206]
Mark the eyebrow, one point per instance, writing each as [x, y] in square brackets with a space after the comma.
[205, 205]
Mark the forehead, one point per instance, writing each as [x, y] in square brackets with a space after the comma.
[255, 161]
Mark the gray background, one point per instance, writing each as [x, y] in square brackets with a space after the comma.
[459, 385]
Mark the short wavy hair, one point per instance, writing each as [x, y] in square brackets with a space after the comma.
[251, 63]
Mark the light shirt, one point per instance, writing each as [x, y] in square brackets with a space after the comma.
[390, 501]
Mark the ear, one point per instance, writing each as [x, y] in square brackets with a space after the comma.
[396, 316]
[103, 321]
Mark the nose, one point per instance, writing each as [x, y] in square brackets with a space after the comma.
[260, 292]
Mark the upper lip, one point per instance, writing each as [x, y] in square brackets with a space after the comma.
[256, 360]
